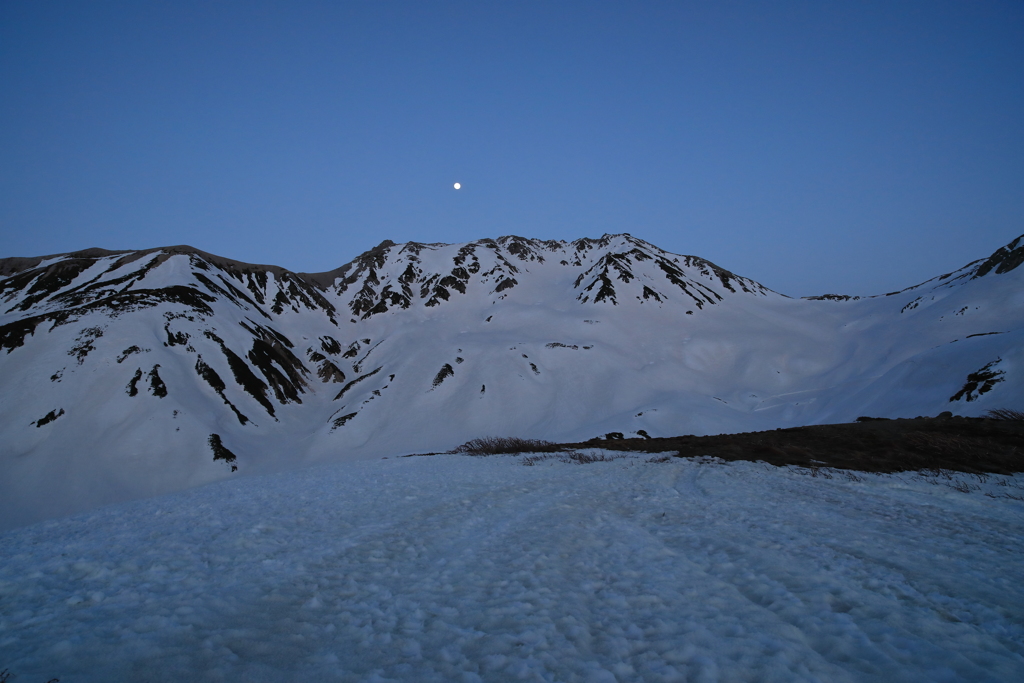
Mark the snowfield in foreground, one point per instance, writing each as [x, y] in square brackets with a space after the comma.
[451, 568]
[119, 370]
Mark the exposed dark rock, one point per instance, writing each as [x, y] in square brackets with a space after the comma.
[132, 388]
[237, 294]
[507, 283]
[1004, 259]
[85, 343]
[410, 274]
[445, 371]
[127, 352]
[651, 294]
[340, 422]
[330, 345]
[366, 355]
[300, 288]
[911, 306]
[676, 276]
[353, 350]
[520, 247]
[244, 376]
[605, 293]
[376, 257]
[221, 452]
[980, 382]
[620, 264]
[832, 297]
[230, 292]
[211, 376]
[427, 284]
[356, 381]
[271, 354]
[45, 281]
[280, 301]
[268, 357]
[440, 294]
[175, 338]
[217, 384]
[48, 418]
[364, 268]
[467, 250]
[294, 291]
[12, 335]
[453, 282]
[156, 385]
[138, 299]
[387, 295]
[329, 372]
[256, 283]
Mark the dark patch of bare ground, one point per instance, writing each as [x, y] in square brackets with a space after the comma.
[993, 445]
[980, 445]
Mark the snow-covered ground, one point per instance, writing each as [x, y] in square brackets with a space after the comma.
[452, 568]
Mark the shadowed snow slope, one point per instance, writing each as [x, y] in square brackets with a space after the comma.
[128, 374]
[454, 568]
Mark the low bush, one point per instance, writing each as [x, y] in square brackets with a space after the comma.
[1006, 414]
[581, 458]
[497, 445]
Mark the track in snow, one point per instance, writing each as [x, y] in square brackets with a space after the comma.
[455, 568]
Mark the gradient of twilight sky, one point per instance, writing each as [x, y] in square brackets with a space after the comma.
[852, 147]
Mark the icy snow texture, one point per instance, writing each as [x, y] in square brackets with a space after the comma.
[452, 568]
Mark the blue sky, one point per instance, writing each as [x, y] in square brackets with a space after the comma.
[853, 147]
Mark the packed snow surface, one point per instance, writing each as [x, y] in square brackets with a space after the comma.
[453, 568]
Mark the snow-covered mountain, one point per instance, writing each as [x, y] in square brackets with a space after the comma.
[126, 374]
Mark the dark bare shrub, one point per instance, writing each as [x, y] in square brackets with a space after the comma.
[532, 460]
[1006, 414]
[495, 445]
[581, 458]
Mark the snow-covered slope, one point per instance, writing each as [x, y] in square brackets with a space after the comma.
[126, 374]
[453, 568]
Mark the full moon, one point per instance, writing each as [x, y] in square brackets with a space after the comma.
[458, 185]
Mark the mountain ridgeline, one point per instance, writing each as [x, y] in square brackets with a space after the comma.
[120, 367]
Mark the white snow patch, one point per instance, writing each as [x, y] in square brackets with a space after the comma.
[453, 568]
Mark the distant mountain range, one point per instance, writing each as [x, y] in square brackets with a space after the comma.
[133, 373]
